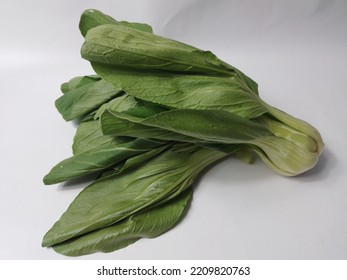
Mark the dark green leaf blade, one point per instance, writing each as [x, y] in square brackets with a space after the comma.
[142, 50]
[122, 124]
[134, 161]
[112, 199]
[78, 82]
[203, 125]
[84, 99]
[119, 104]
[185, 91]
[92, 18]
[147, 224]
[98, 159]
[89, 136]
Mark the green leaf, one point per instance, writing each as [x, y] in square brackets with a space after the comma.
[203, 125]
[119, 104]
[85, 99]
[113, 199]
[92, 18]
[185, 91]
[78, 82]
[89, 136]
[98, 159]
[143, 50]
[126, 47]
[134, 161]
[122, 124]
[147, 224]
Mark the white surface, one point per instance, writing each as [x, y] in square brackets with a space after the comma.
[295, 50]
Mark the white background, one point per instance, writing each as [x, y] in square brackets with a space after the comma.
[295, 50]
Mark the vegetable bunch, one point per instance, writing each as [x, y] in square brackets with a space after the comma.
[155, 115]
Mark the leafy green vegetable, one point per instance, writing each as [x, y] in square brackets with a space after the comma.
[156, 114]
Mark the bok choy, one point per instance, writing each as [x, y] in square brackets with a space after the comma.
[155, 114]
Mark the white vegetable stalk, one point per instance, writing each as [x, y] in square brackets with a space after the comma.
[295, 146]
